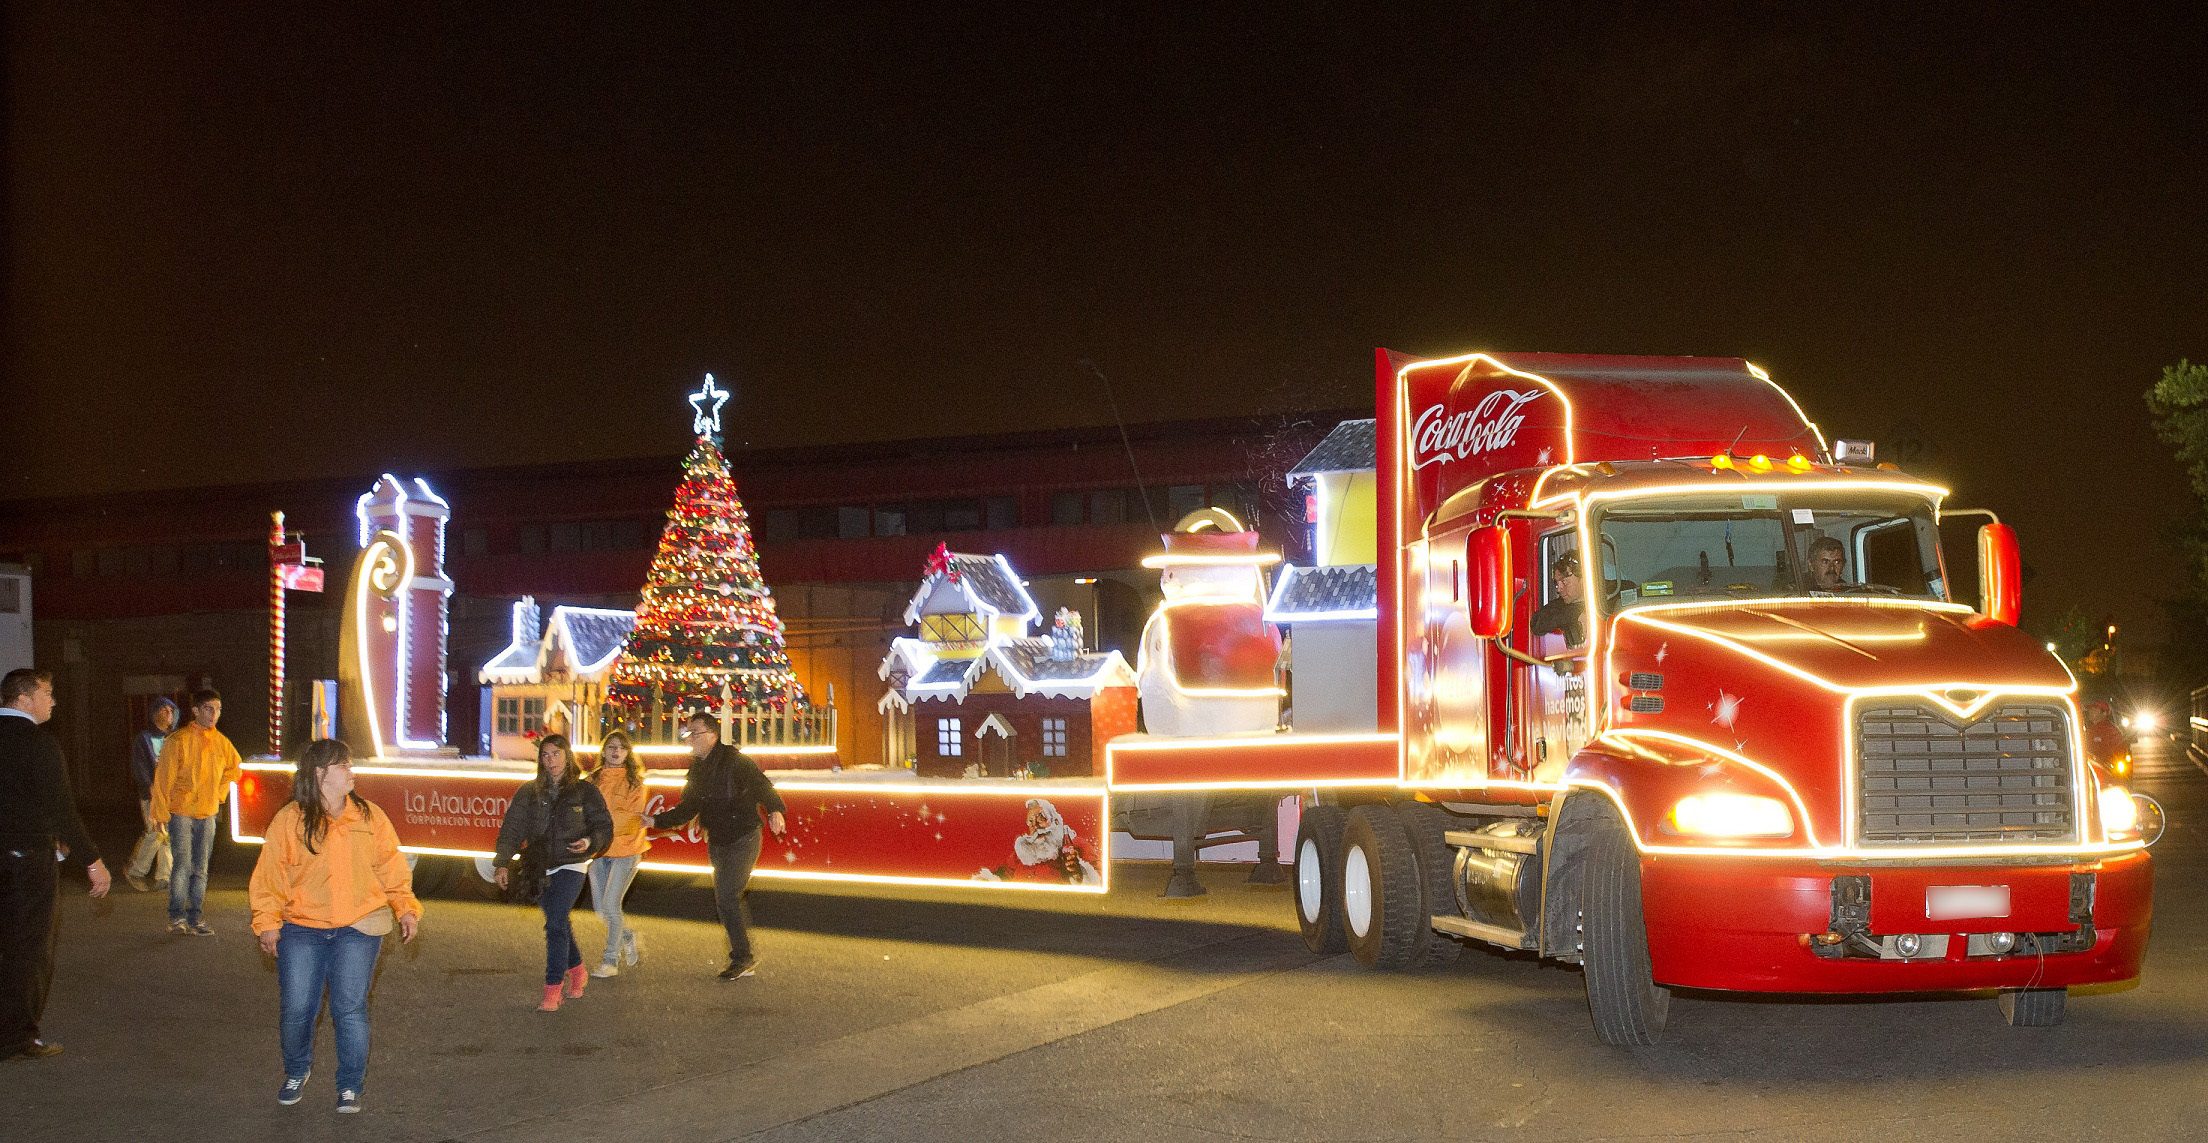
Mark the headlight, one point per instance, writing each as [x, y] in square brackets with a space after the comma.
[1731, 815]
[2145, 720]
[2119, 814]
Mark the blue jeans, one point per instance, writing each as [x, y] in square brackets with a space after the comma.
[343, 962]
[561, 887]
[609, 882]
[191, 845]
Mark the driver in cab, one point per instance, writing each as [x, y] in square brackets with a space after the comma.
[1563, 613]
[1828, 565]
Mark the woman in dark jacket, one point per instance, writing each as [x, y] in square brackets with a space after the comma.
[563, 820]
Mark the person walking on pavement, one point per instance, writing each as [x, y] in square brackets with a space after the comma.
[725, 791]
[152, 857]
[330, 883]
[620, 780]
[189, 784]
[562, 819]
[38, 819]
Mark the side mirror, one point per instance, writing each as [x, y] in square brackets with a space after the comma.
[2000, 575]
[1487, 568]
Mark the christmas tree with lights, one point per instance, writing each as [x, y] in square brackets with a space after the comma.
[707, 620]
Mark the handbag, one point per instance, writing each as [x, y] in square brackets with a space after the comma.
[526, 886]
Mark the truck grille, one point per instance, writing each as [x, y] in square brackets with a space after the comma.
[2004, 777]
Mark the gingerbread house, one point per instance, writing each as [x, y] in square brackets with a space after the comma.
[973, 694]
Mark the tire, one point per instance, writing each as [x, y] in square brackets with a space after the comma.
[1627, 1004]
[1318, 895]
[1437, 863]
[431, 875]
[1382, 903]
[2033, 1007]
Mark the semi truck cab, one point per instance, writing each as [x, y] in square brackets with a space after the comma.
[1683, 696]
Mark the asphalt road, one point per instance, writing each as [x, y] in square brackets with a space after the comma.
[921, 1015]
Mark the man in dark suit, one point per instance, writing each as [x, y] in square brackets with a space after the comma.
[38, 821]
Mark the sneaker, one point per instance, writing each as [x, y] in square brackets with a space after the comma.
[38, 1050]
[740, 971]
[180, 928]
[605, 970]
[348, 1102]
[137, 882]
[294, 1090]
[200, 929]
[632, 947]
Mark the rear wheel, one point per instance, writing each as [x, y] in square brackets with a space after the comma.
[1318, 878]
[1425, 824]
[1628, 1006]
[2034, 1007]
[1382, 905]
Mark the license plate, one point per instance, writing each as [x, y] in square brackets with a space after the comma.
[1952, 902]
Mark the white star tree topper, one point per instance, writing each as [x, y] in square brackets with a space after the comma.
[705, 405]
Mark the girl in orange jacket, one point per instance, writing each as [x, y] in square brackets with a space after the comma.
[620, 778]
[329, 884]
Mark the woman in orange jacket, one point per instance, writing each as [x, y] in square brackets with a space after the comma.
[329, 884]
[620, 779]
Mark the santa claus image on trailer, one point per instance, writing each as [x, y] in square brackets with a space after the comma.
[1207, 660]
[1049, 852]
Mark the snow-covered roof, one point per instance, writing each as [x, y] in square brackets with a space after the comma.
[589, 639]
[970, 583]
[1351, 447]
[1311, 595]
[915, 674]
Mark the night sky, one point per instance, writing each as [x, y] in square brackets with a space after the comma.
[304, 240]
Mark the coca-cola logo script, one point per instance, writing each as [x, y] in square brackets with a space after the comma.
[1487, 426]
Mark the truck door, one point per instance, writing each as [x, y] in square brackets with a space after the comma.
[1551, 701]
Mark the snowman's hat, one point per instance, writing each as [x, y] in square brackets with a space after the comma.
[1205, 537]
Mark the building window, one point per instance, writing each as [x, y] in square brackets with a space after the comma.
[532, 540]
[852, 521]
[1054, 738]
[509, 716]
[1065, 508]
[1108, 506]
[564, 537]
[950, 739]
[1002, 512]
[889, 521]
[1182, 499]
[532, 715]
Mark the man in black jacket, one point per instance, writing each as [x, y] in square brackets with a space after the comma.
[38, 819]
[725, 791]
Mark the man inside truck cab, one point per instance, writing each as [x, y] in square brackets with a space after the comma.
[1562, 613]
[1828, 564]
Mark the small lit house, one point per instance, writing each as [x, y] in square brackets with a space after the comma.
[551, 679]
[972, 693]
[1331, 609]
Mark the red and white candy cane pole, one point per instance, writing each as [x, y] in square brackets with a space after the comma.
[275, 636]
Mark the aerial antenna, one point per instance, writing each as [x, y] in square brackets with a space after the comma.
[1140, 488]
[1736, 440]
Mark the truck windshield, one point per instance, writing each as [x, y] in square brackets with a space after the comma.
[1738, 546]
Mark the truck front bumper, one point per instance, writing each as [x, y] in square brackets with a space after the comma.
[1752, 925]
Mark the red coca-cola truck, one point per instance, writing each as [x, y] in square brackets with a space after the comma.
[1667, 687]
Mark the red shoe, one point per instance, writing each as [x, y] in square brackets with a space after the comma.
[551, 999]
[576, 978]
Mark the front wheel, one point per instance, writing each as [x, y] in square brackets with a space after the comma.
[1628, 1006]
[1318, 878]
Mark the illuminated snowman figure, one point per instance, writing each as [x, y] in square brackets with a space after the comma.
[1207, 660]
